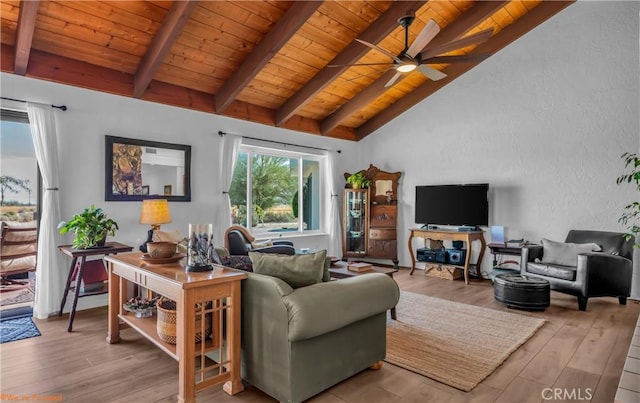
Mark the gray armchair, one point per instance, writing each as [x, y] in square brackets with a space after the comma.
[606, 273]
[298, 342]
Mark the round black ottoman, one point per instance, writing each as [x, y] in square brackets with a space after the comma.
[524, 292]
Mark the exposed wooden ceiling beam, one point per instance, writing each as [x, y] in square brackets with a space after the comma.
[24, 35]
[524, 24]
[46, 66]
[291, 21]
[478, 13]
[175, 20]
[376, 32]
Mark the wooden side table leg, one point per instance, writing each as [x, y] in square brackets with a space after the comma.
[72, 314]
[113, 332]
[185, 346]
[66, 289]
[467, 260]
[233, 341]
[393, 310]
[413, 258]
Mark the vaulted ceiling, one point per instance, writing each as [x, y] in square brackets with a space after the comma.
[261, 61]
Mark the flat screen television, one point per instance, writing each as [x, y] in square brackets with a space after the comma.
[453, 205]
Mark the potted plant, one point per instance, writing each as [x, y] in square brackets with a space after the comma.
[631, 217]
[358, 181]
[91, 228]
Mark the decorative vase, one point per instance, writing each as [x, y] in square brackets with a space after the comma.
[200, 247]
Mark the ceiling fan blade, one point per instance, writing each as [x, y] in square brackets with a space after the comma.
[456, 59]
[431, 73]
[474, 39]
[393, 80]
[379, 49]
[424, 37]
[359, 64]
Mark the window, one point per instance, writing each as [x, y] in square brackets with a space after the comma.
[19, 174]
[275, 191]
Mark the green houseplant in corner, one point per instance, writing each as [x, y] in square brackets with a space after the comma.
[358, 181]
[631, 216]
[91, 228]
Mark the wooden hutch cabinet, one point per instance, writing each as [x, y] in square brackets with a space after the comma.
[371, 228]
[355, 222]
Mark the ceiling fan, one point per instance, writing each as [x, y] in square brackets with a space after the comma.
[410, 58]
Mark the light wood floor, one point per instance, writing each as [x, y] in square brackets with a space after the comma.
[583, 352]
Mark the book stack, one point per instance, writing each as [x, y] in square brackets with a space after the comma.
[360, 267]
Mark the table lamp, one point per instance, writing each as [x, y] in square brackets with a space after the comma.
[154, 212]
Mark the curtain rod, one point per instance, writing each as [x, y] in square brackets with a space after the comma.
[221, 133]
[61, 107]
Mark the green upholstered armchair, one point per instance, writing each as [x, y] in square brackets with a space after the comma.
[298, 342]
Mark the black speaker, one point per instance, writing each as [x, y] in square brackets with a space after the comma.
[457, 244]
[431, 255]
[456, 256]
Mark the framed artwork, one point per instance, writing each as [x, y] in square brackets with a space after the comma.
[164, 168]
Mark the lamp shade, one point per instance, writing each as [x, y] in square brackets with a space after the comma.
[155, 211]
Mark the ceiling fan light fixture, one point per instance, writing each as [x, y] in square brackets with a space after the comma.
[405, 68]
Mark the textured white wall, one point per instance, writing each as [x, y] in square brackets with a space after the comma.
[544, 121]
[92, 115]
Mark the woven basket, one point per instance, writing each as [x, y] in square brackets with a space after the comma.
[166, 323]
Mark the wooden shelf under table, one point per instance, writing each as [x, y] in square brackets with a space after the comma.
[148, 328]
[187, 290]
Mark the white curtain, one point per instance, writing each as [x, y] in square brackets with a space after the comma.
[227, 160]
[51, 272]
[334, 248]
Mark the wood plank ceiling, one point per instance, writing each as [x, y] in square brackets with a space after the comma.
[262, 61]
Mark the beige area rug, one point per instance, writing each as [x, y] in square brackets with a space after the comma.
[453, 343]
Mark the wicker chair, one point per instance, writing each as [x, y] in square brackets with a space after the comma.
[18, 252]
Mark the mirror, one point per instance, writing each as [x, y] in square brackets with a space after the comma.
[139, 169]
[383, 186]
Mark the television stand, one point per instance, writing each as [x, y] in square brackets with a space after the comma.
[443, 235]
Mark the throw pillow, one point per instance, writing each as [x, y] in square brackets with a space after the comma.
[565, 254]
[239, 262]
[296, 270]
[326, 275]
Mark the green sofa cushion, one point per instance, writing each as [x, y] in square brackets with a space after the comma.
[296, 270]
[324, 307]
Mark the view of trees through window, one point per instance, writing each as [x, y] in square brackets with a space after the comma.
[283, 192]
[18, 170]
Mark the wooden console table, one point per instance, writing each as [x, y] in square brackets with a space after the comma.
[442, 235]
[217, 292]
